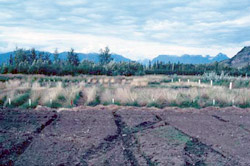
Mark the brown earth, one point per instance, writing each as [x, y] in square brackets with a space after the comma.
[125, 136]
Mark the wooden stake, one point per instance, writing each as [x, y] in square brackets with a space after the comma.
[231, 86]
[30, 102]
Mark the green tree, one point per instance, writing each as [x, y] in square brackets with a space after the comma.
[46, 58]
[105, 56]
[20, 56]
[11, 60]
[33, 56]
[41, 56]
[73, 58]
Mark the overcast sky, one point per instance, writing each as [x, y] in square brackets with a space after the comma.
[137, 29]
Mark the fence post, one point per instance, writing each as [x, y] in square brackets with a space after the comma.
[211, 82]
[172, 80]
[30, 102]
[233, 102]
[230, 85]
[188, 81]
[113, 100]
[213, 102]
[50, 101]
[179, 80]
[9, 101]
[199, 82]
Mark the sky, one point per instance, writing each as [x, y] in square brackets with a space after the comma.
[137, 29]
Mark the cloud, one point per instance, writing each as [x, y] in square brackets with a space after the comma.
[137, 29]
[71, 2]
[48, 41]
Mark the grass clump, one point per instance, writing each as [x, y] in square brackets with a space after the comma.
[135, 104]
[20, 99]
[155, 104]
[96, 101]
[2, 100]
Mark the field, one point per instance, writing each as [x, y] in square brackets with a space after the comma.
[147, 120]
[28, 91]
[116, 135]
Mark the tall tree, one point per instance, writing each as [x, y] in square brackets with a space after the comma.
[33, 56]
[149, 64]
[73, 58]
[11, 60]
[105, 56]
[20, 56]
[41, 56]
[46, 57]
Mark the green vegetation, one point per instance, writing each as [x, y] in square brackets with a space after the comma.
[21, 99]
[172, 135]
[2, 100]
[32, 62]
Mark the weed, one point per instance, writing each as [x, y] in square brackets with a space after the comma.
[21, 99]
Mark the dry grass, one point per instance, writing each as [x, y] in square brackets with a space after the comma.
[204, 94]
[123, 90]
[122, 95]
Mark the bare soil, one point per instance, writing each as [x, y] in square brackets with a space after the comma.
[130, 136]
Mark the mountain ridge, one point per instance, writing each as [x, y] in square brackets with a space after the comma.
[186, 58]
[190, 59]
[4, 57]
[241, 59]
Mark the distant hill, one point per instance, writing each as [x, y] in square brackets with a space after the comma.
[144, 61]
[4, 58]
[190, 59]
[241, 59]
[186, 59]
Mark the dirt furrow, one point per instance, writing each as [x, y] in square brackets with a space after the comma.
[219, 118]
[196, 152]
[223, 120]
[108, 144]
[9, 156]
[125, 137]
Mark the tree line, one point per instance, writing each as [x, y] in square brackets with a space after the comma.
[33, 62]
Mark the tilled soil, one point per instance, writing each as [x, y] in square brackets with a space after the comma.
[87, 136]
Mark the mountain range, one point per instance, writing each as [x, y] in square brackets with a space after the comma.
[186, 59]
[190, 59]
[241, 59]
[4, 58]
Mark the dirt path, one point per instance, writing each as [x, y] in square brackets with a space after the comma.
[125, 136]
